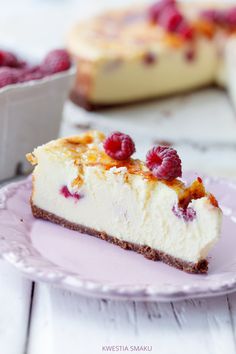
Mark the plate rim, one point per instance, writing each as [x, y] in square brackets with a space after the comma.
[20, 255]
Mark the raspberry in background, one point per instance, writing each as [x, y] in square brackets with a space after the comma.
[56, 61]
[119, 146]
[157, 8]
[14, 70]
[11, 60]
[166, 14]
[164, 162]
[8, 76]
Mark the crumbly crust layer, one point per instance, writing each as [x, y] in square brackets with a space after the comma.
[201, 267]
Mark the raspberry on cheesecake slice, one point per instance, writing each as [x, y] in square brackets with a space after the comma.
[91, 184]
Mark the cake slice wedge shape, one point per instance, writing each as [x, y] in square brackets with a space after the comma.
[78, 185]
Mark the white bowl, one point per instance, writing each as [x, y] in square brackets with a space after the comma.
[30, 115]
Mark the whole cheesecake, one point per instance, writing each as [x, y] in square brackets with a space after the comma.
[136, 54]
[91, 184]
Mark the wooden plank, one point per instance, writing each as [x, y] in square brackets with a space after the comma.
[206, 323]
[63, 322]
[15, 294]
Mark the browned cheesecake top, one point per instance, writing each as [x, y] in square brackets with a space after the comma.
[87, 150]
[130, 32]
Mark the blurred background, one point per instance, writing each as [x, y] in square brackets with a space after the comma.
[200, 125]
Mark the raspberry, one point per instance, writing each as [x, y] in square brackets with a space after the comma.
[190, 55]
[119, 146]
[218, 17]
[156, 9]
[8, 76]
[9, 59]
[31, 73]
[231, 17]
[209, 15]
[187, 214]
[170, 18]
[149, 58]
[56, 61]
[185, 31]
[67, 194]
[164, 163]
[167, 15]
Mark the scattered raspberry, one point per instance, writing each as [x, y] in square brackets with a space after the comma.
[187, 214]
[119, 146]
[167, 15]
[56, 61]
[170, 18]
[185, 31]
[156, 9]
[209, 15]
[9, 59]
[220, 17]
[230, 17]
[190, 55]
[8, 76]
[149, 58]
[67, 194]
[164, 163]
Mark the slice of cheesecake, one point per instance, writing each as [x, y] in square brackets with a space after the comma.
[91, 184]
[140, 53]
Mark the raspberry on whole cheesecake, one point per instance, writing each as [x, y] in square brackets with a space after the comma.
[230, 17]
[170, 18]
[119, 146]
[185, 31]
[166, 14]
[56, 61]
[156, 9]
[164, 162]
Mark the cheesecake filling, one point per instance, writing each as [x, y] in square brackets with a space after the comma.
[123, 61]
[126, 206]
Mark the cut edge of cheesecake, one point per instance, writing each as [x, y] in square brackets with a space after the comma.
[201, 267]
[86, 151]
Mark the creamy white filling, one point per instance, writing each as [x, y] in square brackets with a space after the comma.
[137, 211]
[172, 72]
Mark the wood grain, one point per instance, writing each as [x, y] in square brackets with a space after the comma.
[63, 322]
[15, 294]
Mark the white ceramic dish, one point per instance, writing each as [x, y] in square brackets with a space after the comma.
[30, 115]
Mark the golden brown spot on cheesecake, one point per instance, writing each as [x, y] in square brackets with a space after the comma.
[205, 28]
[173, 40]
[83, 140]
[195, 191]
[31, 158]
[213, 200]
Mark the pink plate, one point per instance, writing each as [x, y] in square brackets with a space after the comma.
[87, 265]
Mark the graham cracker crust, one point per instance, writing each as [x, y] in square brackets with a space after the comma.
[198, 268]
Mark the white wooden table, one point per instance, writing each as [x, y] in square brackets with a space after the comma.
[40, 319]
